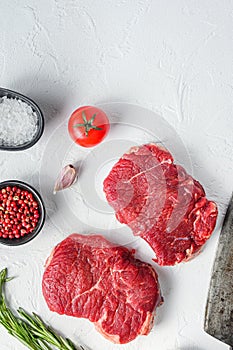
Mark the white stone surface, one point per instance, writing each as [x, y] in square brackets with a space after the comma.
[173, 57]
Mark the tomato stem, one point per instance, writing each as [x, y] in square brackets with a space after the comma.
[87, 124]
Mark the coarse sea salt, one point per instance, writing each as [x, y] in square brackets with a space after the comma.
[18, 122]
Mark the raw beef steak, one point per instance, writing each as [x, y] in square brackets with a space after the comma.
[161, 203]
[87, 276]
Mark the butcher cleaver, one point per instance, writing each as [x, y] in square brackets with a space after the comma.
[219, 307]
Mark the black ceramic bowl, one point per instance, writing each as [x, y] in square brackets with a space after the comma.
[30, 236]
[40, 119]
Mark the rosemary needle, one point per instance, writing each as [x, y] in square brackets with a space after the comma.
[30, 329]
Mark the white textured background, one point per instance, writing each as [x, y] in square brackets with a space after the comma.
[174, 57]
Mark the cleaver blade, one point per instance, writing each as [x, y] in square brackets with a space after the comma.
[219, 307]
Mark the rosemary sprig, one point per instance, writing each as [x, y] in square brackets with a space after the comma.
[30, 329]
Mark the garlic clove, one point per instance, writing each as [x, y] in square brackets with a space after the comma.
[66, 178]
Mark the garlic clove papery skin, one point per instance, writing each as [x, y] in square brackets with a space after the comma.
[66, 178]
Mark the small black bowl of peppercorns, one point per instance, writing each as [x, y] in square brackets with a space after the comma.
[22, 212]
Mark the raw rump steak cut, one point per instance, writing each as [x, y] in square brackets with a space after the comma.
[87, 276]
[161, 203]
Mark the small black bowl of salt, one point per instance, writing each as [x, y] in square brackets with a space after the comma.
[21, 121]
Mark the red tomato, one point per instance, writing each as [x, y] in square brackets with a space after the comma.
[88, 126]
